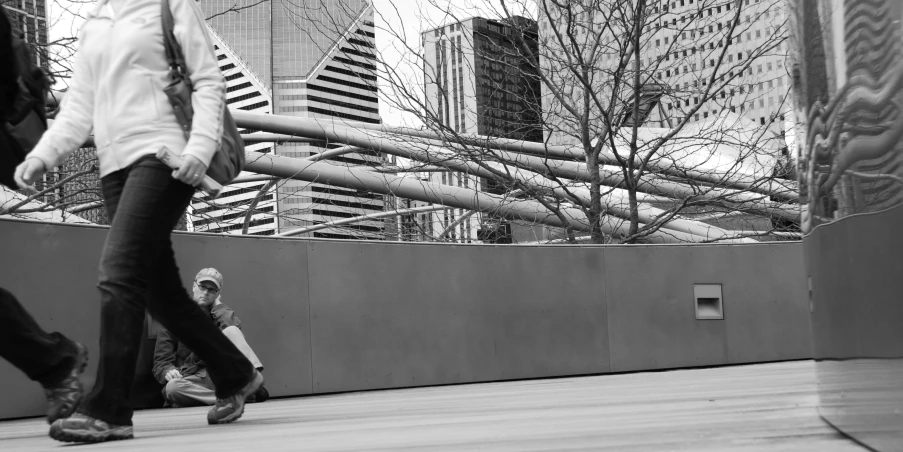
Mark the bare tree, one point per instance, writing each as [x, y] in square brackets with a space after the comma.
[651, 120]
[674, 110]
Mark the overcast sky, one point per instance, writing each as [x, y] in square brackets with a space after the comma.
[398, 24]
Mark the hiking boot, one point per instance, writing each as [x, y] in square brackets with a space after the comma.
[64, 397]
[85, 429]
[230, 409]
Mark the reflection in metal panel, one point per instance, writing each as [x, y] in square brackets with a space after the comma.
[848, 89]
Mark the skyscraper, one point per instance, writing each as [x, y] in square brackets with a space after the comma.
[314, 59]
[227, 214]
[688, 49]
[478, 81]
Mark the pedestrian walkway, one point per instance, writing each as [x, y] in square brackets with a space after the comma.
[764, 407]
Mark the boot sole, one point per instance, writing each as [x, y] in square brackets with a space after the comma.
[82, 437]
[252, 388]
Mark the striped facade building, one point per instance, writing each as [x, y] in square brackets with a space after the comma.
[312, 59]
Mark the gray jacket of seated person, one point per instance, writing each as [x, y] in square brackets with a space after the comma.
[170, 353]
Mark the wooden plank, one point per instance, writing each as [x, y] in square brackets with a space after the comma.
[742, 408]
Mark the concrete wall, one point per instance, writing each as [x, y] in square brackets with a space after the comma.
[328, 316]
[856, 270]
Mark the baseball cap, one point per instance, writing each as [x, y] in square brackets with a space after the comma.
[212, 275]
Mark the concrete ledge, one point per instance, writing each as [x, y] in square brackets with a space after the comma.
[328, 316]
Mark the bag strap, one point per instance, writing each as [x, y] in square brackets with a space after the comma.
[171, 45]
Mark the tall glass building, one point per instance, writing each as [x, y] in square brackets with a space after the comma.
[471, 87]
[306, 58]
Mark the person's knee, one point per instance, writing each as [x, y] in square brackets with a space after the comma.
[238, 338]
[182, 392]
[176, 392]
[173, 389]
[234, 333]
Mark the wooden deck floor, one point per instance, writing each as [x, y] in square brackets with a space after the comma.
[765, 407]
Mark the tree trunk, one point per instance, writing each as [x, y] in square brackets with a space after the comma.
[634, 215]
[595, 209]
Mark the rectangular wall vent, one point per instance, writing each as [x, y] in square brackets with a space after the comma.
[709, 305]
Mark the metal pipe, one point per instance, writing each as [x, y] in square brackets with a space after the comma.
[274, 138]
[257, 178]
[446, 195]
[779, 189]
[330, 153]
[454, 224]
[253, 206]
[246, 137]
[653, 184]
[412, 169]
[304, 127]
[372, 216]
[86, 206]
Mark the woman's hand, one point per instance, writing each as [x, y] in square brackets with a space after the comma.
[28, 172]
[191, 172]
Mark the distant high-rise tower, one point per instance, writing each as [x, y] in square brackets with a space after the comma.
[478, 81]
[314, 59]
[244, 91]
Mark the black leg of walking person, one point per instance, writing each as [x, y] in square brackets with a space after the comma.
[144, 203]
[50, 359]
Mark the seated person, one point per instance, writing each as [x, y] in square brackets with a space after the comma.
[183, 373]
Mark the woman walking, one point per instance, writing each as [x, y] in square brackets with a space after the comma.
[117, 89]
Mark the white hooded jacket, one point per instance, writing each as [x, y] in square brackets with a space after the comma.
[117, 87]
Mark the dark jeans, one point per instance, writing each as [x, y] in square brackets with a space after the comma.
[45, 357]
[138, 272]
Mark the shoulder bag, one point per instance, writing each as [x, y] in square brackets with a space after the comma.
[229, 159]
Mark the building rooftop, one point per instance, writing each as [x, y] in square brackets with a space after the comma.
[740, 408]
